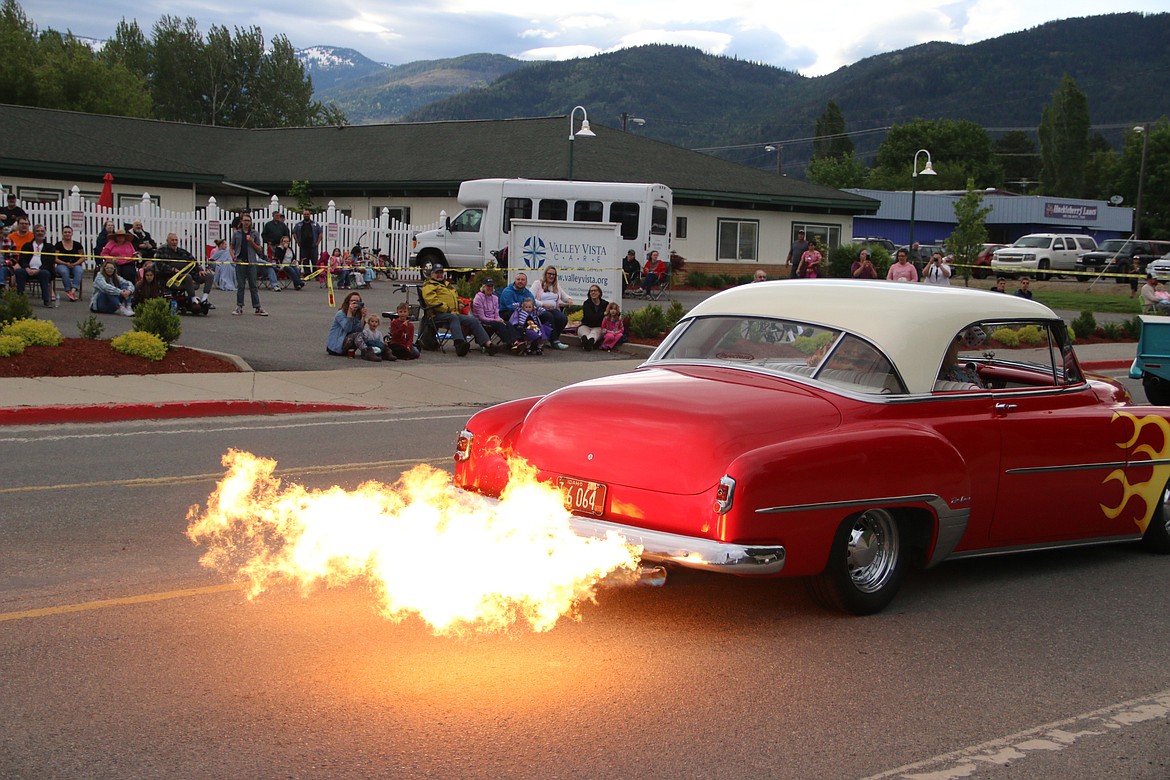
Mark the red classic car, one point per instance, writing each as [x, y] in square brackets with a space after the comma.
[842, 431]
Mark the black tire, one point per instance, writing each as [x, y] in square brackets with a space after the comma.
[1042, 274]
[1157, 536]
[980, 272]
[432, 257]
[866, 564]
[1157, 390]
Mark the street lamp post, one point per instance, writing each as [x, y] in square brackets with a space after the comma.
[629, 119]
[779, 150]
[927, 170]
[585, 132]
[1144, 130]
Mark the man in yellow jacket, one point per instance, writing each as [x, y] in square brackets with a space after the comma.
[442, 303]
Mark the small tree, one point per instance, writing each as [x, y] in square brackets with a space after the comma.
[302, 192]
[971, 231]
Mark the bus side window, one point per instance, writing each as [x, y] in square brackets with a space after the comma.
[587, 211]
[626, 214]
[516, 208]
[658, 220]
[554, 209]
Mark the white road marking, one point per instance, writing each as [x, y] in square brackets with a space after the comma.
[261, 427]
[1051, 737]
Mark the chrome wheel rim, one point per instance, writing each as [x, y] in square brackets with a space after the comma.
[872, 550]
[1163, 510]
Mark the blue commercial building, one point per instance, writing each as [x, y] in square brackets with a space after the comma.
[1011, 216]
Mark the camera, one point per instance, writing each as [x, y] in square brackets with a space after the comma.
[360, 304]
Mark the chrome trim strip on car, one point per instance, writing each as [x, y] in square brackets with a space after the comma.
[1039, 547]
[690, 551]
[952, 522]
[1118, 464]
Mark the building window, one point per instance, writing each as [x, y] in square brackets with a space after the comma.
[125, 201]
[40, 195]
[739, 240]
[400, 213]
[680, 227]
[826, 235]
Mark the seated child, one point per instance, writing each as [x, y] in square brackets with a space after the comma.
[612, 328]
[528, 322]
[400, 342]
[374, 337]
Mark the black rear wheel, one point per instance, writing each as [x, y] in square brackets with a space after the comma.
[1042, 274]
[1157, 536]
[866, 564]
[1157, 390]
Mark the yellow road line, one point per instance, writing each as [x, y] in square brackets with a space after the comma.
[189, 478]
[142, 599]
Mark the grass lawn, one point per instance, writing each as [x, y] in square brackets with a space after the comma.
[1085, 301]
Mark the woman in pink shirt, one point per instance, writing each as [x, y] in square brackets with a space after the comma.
[122, 252]
[903, 270]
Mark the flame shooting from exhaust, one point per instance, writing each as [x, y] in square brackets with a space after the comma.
[459, 561]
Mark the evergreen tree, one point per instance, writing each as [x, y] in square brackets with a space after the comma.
[838, 172]
[19, 61]
[1019, 159]
[969, 235]
[960, 150]
[1064, 141]
[830, 139]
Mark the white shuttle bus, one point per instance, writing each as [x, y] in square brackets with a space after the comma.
[483, 227]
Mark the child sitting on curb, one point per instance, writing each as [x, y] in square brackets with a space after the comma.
[400, 342]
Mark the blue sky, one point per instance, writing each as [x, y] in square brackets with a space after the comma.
[812, 38]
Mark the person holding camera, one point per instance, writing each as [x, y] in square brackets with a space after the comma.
[346, 332]
[937, 271]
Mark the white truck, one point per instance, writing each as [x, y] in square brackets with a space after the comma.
[483, 227]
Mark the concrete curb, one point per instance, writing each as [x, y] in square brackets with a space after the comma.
[95, 413]
[1106, 365]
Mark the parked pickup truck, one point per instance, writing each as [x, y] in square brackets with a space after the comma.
[1122, 256]
[1040, 254]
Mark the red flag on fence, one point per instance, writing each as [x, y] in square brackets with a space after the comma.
[106, 199]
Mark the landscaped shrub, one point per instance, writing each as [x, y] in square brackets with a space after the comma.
[810, 344]
[648, 321]
[745, 279]
[718, 281]
[674, 313]
[34, 332]
[154, 316]
[14, 306]
[1085, 325]
[1030, 335]
[841, 258]
[1131, 328]
[697, 279]
[11, 345]
[90, 328]
[1006, 336]
[1112, 330]
[141, 343]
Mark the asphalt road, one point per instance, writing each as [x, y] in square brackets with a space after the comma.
[1036, 666]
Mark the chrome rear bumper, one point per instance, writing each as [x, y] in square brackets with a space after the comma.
[690, 551]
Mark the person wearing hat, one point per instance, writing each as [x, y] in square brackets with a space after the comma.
[1153, 299]
[12, 211]
[631, 271]
[442, 303]
[485, 307]
[121, 251]
[799, 247]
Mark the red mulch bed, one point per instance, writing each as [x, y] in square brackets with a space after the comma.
[95, 357]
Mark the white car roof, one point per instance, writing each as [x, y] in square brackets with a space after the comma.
[913, 324]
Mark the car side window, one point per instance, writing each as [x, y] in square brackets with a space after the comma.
[1009, 355]
[859, 366]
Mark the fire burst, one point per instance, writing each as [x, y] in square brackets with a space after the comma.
[459, 561]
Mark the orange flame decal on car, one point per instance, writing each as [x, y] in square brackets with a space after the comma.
[1149, 489]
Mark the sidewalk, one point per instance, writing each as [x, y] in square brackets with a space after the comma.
[399, 385]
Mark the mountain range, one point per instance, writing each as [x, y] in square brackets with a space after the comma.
[698, 100]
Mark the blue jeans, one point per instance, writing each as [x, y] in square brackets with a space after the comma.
[44, 276]
[457, 323]
[556, 320]
[106, 303]
[246, 272]
[70, 275]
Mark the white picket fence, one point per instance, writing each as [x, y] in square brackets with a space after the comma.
[386, 240]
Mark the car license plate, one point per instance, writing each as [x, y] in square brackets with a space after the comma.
[583, 496]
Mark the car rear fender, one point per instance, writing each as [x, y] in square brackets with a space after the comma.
[796, 493]
[490, 433]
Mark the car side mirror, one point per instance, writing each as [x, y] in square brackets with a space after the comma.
[447, 223]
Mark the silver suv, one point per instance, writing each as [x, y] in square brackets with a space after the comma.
[1041, 253]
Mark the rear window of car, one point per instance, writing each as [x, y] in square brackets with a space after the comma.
[787, 348]
[1086, 242]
